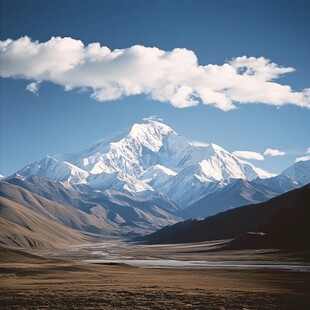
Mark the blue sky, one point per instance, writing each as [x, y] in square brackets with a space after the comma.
[57, 121]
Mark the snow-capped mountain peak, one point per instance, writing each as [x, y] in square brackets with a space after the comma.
[148, 157]
[149, 135]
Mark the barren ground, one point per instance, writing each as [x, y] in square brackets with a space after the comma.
[28, 282]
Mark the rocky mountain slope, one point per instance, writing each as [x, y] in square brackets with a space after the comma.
[236, 194]
[26, 215]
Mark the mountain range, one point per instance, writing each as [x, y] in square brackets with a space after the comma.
[237, 193]
[147, 158]
[135, 182]
[92, 214]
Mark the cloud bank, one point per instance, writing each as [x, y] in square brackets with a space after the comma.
[248, 155]
[167, 76]
[274, 152]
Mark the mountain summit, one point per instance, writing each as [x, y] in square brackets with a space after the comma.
[147, 158]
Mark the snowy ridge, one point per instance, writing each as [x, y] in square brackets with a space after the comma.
[149, 157]
[53, 169]
[293, 177]
[299, 172]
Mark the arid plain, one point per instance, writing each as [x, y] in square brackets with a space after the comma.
[64, 280]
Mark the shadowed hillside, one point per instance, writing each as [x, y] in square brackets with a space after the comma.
[282, 222]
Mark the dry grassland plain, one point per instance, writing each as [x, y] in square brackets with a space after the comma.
[32, 282]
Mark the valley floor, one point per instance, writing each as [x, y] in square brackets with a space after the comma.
[31, 282]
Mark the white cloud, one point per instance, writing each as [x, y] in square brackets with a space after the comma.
[248, 155]
[303, 158]
[153, 118]
[199, 143]
[167, 76]
[33, 87]
[273, 152]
